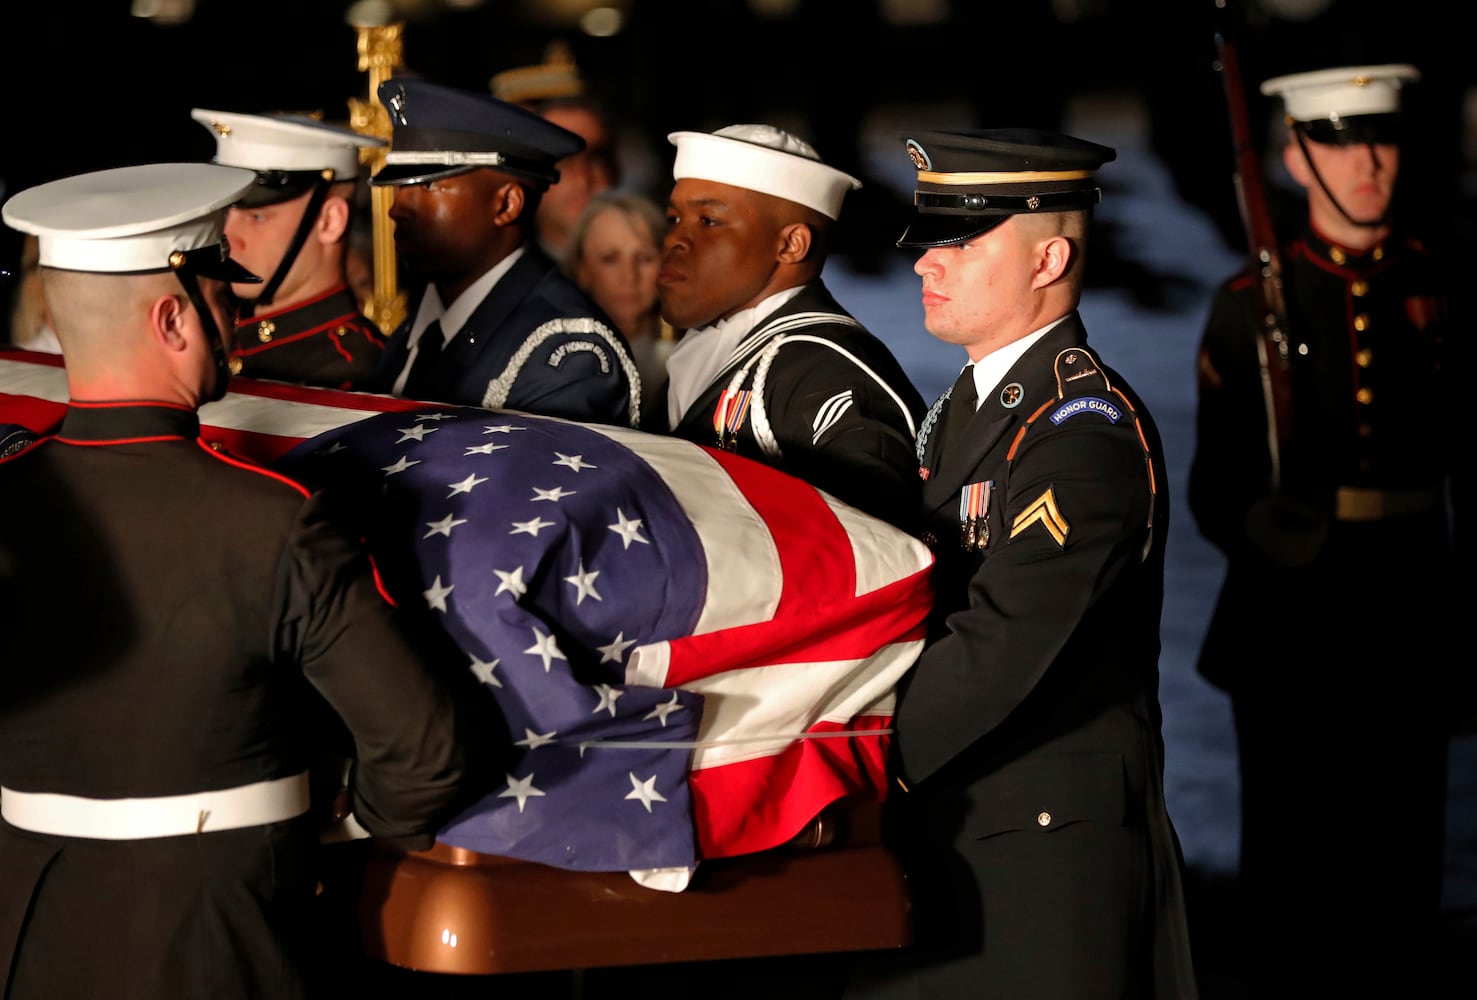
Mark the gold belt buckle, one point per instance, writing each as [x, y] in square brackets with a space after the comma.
[1358, 503]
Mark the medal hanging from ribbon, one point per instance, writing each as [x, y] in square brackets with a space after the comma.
[728, 417]
[974, 516]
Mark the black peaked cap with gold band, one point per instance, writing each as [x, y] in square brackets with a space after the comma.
[971, 181]
[439, 131]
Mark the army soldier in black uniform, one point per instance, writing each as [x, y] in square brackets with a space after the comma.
[303, 322]
[493, 321]
[771, 367]
[1028, 737]
[167, 611]
[1334, 625]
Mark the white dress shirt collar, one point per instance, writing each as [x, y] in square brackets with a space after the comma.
[702, 353]
[452, 317]
[990, 370]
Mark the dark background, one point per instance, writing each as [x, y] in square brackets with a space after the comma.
[90, 86]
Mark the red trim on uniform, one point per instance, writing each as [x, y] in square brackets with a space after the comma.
[250, 466]
[114, 404]
[110, 442]
[304, 335]
[252, 321]
[379, 583]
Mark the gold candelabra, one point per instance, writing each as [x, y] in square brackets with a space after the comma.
[380, 54]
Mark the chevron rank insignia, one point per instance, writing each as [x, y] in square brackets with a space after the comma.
[1044, 510]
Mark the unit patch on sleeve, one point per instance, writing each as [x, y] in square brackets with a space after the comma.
[1086, 404]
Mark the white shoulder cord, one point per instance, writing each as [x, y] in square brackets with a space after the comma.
[763, 432]
[496, 396]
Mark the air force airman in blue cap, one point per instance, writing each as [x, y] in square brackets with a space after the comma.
[971, 181]
[439, 131]
[497, 324]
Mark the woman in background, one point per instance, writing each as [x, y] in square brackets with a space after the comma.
[615, 252]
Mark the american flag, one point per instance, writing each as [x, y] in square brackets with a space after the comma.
[694, 652]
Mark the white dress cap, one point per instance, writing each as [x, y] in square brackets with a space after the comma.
[128, 219]
[765, 159]
[1342, 92]
[284, 142]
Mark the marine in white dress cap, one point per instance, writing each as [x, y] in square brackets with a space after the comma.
[292, 155]
[135, 220]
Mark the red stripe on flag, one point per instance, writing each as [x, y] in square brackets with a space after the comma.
[40, 415]
[812, 544]
[849, 629]
[812, 773]
[367, 402]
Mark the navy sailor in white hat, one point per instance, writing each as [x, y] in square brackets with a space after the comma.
[771, 366]
[171, 616]
[303, 322]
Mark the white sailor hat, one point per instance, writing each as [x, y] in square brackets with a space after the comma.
[765, 159]
[290, 153]
[1348, 104]
[155, 217]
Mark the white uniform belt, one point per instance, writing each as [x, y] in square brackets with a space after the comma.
[1357, 503]
[163, 816]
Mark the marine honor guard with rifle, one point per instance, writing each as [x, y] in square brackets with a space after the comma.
[1332, 627]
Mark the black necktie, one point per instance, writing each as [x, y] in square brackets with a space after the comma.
[422, 382]
[961, 408]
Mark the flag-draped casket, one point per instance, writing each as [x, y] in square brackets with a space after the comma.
[694, 653]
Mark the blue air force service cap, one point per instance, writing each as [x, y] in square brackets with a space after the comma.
[439, 131]
[290, 153]
[131, 220]
[971, 181]
[1346, 105]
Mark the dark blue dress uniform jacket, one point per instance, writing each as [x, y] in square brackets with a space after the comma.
[1028, 732]
[164, 610]
[536, 344]
[840, 413]
[326, 341]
